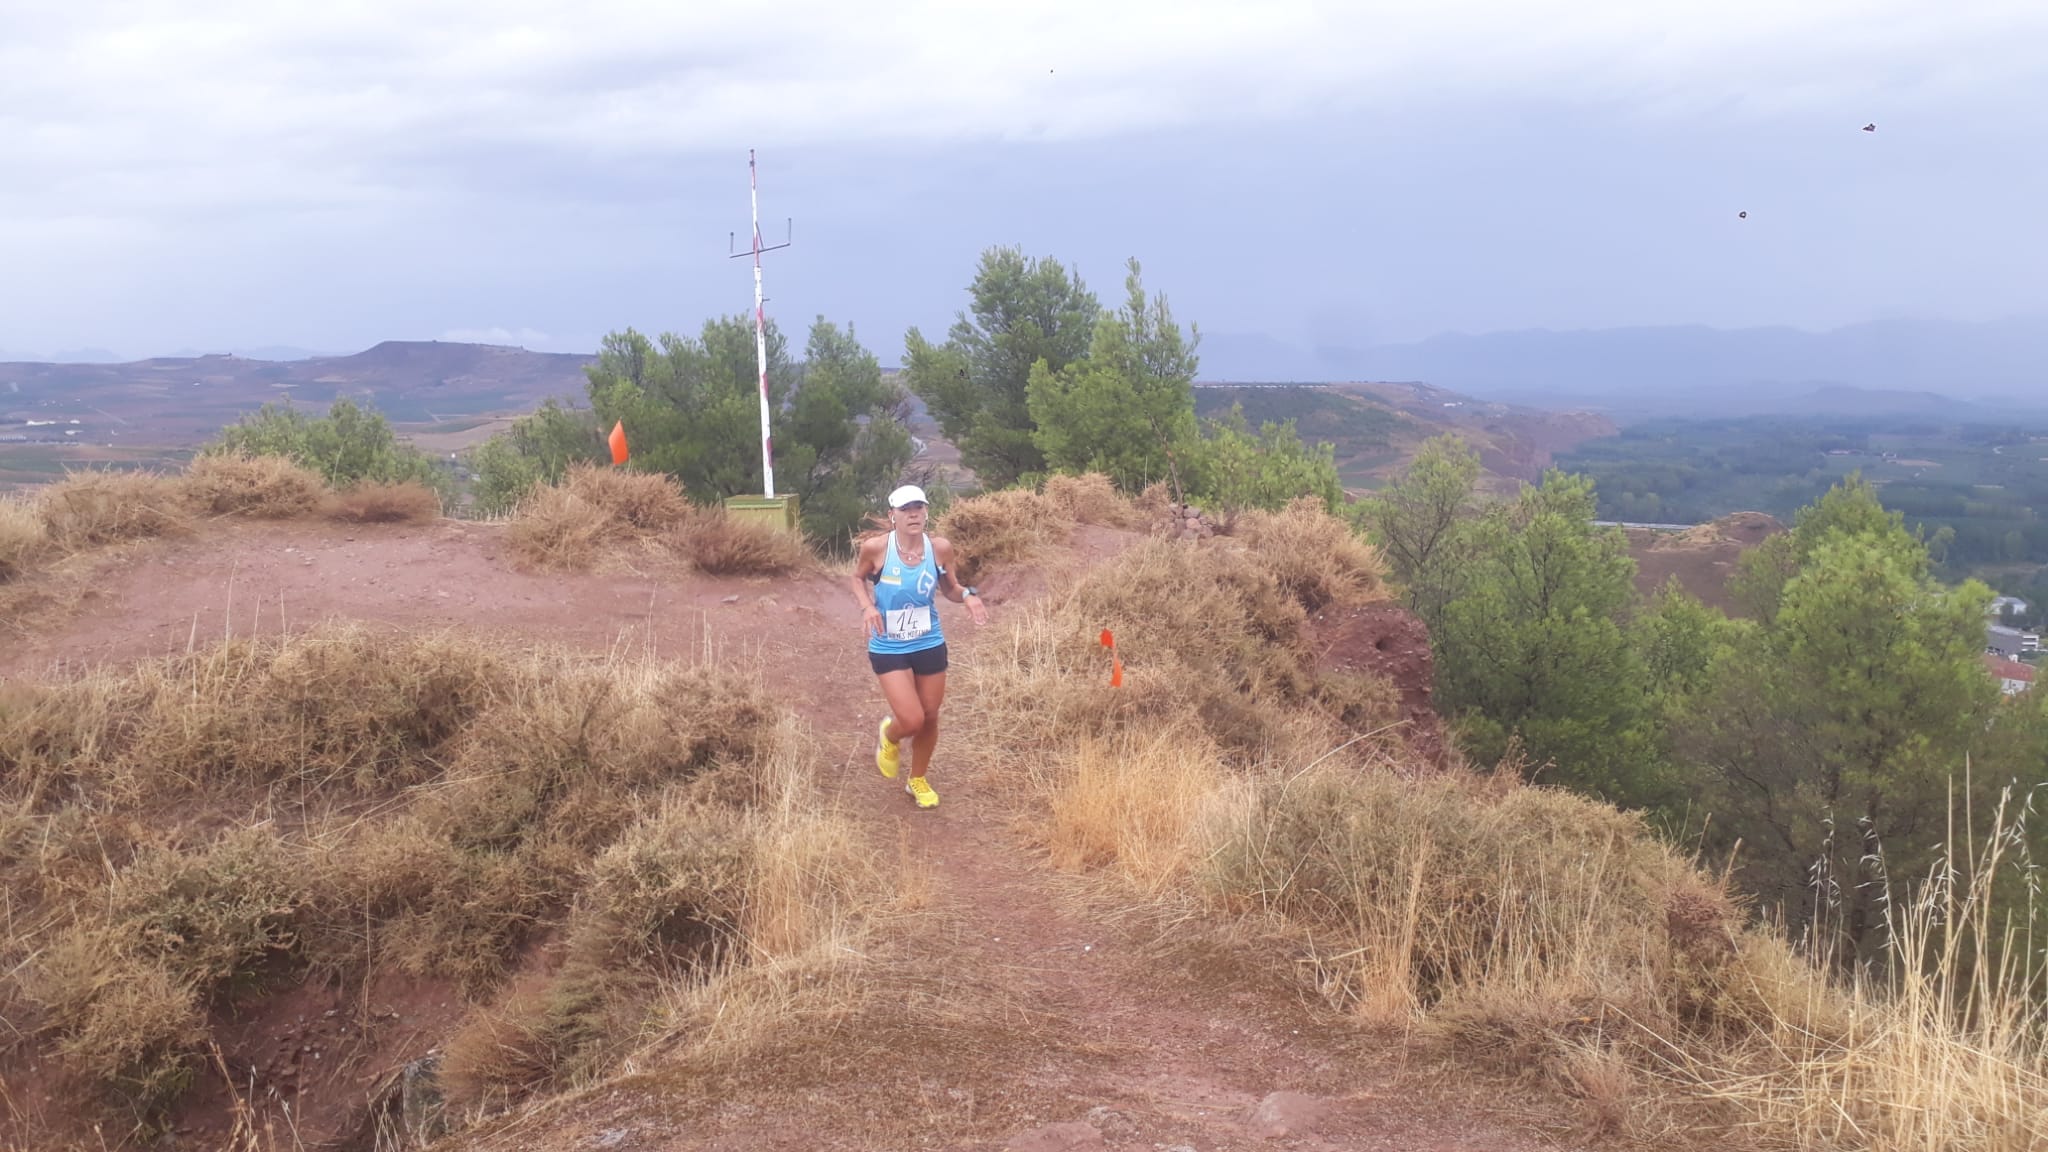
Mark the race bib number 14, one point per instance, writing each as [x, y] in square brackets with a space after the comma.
[908, 623]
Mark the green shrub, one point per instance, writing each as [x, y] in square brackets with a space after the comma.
[347, 446]
[539, 448]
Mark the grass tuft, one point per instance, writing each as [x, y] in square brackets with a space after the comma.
[642, 502]
[1091, 499]
[724, 545]
[88, 509]
[407, 502]
[1314, 555]
[265, 487]
[555, 529]
[1001, 527]
[23, 540]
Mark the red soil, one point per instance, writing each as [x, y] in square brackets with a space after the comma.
[1016, 1006]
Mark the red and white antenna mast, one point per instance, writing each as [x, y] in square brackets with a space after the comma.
[761, 323]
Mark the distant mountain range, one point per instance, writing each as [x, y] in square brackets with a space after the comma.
[108, 356]
[1890, 366]
[185, 400]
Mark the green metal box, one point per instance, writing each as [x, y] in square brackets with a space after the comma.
[774, 511]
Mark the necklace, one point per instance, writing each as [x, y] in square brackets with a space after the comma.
[910, 560]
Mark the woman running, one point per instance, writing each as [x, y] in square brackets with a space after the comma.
[896, 579]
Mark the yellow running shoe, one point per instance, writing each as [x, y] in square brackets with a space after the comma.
[887, 754]
[921, 791]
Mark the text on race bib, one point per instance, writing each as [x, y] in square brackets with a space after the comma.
[907, 623]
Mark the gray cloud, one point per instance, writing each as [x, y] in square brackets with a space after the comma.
[264, 173]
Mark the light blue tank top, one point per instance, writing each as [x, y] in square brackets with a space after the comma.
[907, 598]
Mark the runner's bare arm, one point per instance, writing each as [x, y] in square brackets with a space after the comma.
[949, 584]
[866, 563]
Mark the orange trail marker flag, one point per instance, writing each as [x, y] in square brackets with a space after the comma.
[618, 441]
[1116, 664]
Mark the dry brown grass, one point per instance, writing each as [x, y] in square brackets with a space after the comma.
[646, 502]
[1552, 937]
[265, 487]
[1314, 555]
[23, 540]
[555, 529]
[1209, 641]
[658, 821]
[725, 545]
[1001, 527]
[88, 509]
[596, 514]
[1136, 804]
[406, 503]
[1092, 499]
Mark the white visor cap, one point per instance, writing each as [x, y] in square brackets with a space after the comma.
[908, 494]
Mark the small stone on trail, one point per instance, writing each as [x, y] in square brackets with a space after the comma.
[609, 1138]
[733, 599]
[1075, 1137]
[1286, 1114]
[1113, 1124]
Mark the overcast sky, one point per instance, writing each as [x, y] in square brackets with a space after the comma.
[255, 173]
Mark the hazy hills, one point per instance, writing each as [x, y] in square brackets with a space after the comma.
[184, 400]
[1888, 366]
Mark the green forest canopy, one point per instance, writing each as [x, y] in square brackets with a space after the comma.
[1977, 491]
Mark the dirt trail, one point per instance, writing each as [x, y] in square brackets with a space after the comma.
[1019, 1009]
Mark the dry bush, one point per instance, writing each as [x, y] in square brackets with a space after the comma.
[212, 916]
[724, 545]
[1207, 638]
[344, 707]
[86, 509]
[1440, 889]
[554, 528]
[668, 895]
[23, 541]
[1155, 503]
[124, 987]
[1000, 527]
[1947, 1050]
[704, 887]
[645, 502]
[673, 888]
[135, 1036]
[266, 487]
[409, 502]
[1314, 555]
[596, 511]
[1091, 499]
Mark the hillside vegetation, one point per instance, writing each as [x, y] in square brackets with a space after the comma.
[1542, 932]
[183, 838]
[1978, 491]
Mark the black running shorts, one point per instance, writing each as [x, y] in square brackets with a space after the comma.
[927, 662]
